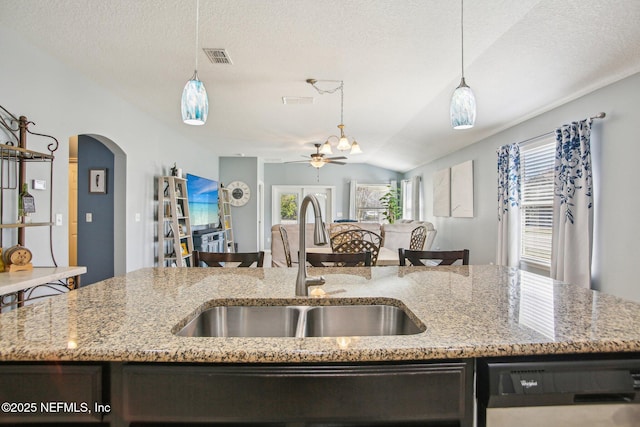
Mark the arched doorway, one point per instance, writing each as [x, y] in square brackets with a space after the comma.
[97, 219]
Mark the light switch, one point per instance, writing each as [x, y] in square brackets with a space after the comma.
[58, 219]
[137, 217]
[88, 217]
[39, 184]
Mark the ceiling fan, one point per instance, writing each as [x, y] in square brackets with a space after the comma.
[318, 159]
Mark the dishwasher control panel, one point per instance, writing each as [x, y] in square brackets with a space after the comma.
[563, 382]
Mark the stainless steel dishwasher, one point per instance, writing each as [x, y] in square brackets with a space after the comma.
[559, 392]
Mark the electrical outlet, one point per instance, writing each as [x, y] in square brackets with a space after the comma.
[88, 217]
[137, 217]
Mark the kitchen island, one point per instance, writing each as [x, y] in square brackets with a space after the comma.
[124, 329]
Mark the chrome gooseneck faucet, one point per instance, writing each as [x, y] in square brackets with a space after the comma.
[319, 237]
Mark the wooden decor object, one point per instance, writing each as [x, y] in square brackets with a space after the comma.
[17, 258]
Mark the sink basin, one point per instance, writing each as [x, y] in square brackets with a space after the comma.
[301, 321]
[358, 320]
[244, 321]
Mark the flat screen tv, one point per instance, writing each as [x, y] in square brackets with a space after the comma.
[203, 202]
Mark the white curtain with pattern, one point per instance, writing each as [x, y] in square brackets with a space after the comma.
[573, 205]
[509, 193]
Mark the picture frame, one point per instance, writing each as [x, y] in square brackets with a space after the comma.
[98, 181]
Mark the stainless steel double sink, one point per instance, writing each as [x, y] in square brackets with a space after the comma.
[301, 321]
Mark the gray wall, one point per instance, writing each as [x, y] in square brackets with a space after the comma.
[95, 238]
[245, 218]
[330, 175]
[616, 149]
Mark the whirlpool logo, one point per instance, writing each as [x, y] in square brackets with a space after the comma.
[528, 383]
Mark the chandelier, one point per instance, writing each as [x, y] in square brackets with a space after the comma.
[343, 142]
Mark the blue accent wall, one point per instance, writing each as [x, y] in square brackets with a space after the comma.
[96, 238]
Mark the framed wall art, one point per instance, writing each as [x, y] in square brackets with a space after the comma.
[462, 190]
[442, 193]
[97, 181]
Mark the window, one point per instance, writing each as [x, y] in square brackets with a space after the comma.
[537, 164]
[406, 186]
[368, 205]
[286, 200]
[411, 190]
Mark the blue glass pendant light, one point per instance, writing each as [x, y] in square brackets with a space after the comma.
[195, 103]
[463, 101]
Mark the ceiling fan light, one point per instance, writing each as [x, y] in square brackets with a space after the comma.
[317, 163]
[326, 148]
[355, 148]
[195, 103]
[463, 107]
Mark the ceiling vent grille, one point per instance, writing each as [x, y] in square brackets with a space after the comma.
[296, 100]
[217, 56]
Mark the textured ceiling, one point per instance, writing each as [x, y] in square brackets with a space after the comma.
[399, 60]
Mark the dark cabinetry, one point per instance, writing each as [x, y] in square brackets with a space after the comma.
[127, 394]
[425, 393]
[48, 393]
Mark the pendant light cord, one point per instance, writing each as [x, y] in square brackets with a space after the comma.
[341, 102]
[197, 28]
[462, 35]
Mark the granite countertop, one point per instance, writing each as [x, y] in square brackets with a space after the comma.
[468, 311]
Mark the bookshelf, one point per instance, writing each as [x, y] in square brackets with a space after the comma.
[175, 241]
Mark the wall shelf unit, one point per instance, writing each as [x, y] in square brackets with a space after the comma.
[19, 211]
[13, 161]
[175, 241]
[14, 158]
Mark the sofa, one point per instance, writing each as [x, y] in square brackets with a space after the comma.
[397, 235]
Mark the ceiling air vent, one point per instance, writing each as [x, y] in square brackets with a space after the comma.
[217, 56]
[298, 100]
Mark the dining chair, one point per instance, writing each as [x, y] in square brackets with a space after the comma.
[340, 233]
[418, 237]
[335, 228]
[285, 244]
[355, 241]
[361, 259]
[355, 234]
[445, 257]
[215, 259]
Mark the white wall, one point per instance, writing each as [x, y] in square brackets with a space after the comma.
[64, 103]
[616, 150]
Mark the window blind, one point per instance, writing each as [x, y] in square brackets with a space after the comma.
[537, 161]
